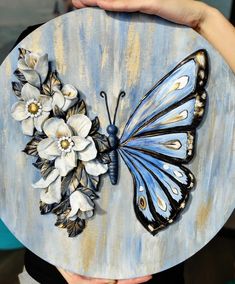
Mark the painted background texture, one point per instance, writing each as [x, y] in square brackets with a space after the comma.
[95, 51]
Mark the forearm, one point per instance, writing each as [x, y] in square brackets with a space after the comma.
[220, 33]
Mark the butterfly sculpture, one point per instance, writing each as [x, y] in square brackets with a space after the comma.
[72, 154]
[158, 139]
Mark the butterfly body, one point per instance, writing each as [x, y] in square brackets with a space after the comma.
[158, 139]
[112, 130]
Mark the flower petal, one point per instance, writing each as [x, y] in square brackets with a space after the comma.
[69, 92]
[31, 59]
[69, 103]
[79, 201]
[38, 121]
[28, 126]
[48, 149]
[29, 92]
[80, 143]
[21, 64]
[81, 124]
[53, 193]
[18, 111]
[32, 77]
[42, 66]
[66, 163]
[85, 215]
[46, 102]
[89, 153]
[51, 125]
[58, 100]
[63, 130]
[95, 168]
[44, 183]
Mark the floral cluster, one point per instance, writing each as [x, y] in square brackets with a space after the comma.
[70, 152]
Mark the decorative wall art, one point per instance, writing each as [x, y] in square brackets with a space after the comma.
[119, 129]
[71, 154]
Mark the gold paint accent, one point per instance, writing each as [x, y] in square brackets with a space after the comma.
[59, 46]
[181, 116]
[142, 202]
[150, 228]
[36, 41]
[173, 144]
[175, 191]
[33, 108]
[203, 215]
[65, 144]
[199, 105]
[201, 59]
[8, 67]
[161, 204]
[89, 246]
[190, 143]
[104, 57]
[179, 84]
[133, 55]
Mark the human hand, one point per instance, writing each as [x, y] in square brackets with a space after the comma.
[186, 12]
[72, 278]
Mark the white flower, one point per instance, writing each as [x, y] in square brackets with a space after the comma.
[65, 98]
[34, 67]
[66, 143]
[51, 188]
[95, 168]
[81, 206]
[33, 110]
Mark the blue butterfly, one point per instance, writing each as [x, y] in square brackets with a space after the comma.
[158, 139]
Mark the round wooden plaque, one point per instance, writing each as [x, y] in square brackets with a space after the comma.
[97, 51]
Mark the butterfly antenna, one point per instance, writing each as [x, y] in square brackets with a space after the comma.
[121, 95]
[104, 96]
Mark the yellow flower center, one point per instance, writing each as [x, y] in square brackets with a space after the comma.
[33, 108]
[65, 144]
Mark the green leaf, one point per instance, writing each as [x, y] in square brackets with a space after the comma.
[95, 126]
[17, 87]
[76, 227]
[101, 142]
[53, 82]
[79, 108]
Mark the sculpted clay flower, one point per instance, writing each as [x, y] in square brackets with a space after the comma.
[32, 110]
[95, 168]
[65, 98]
[66, 143]
[34, 67]
[51, 188]
[81, 206]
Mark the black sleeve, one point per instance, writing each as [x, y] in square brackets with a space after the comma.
[45, 273]
[42, 271]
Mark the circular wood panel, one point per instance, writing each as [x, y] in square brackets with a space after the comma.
[94, 51]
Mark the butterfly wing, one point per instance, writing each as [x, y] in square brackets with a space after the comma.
[160, 136]
[160, 189]
[187, 78]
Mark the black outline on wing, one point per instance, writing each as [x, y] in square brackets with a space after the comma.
[200, 95]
